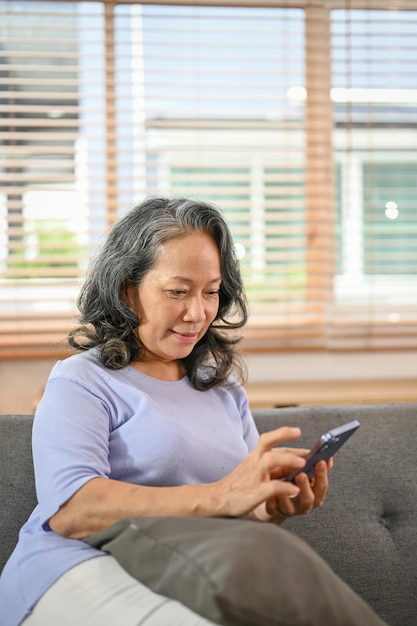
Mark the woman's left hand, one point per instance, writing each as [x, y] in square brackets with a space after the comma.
[312, 495]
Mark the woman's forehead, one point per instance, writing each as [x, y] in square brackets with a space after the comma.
[196, 249]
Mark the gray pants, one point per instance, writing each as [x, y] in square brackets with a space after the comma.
[99, 592]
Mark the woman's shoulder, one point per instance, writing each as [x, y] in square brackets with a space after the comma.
[238, 391]
[81, 366]
[74, 361]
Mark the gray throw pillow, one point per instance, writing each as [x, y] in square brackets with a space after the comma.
[234, 572]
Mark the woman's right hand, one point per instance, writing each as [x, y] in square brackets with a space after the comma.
[256, 479]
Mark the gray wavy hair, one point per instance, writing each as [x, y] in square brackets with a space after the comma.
[127, 255]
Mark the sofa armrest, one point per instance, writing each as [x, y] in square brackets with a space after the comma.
[17, 485]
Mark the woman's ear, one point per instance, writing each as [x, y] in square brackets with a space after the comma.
[128, 294]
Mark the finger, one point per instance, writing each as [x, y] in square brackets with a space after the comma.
[303, 503]
[311, 495]
[281, 461]
[279, 435]
[283, 469]
[306, 498]
[321, 483]
[280, 507]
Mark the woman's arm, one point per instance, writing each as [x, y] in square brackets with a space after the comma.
[101, 501]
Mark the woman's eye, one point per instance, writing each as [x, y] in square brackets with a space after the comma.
[213, 293]
[182, 293]
[176, 293]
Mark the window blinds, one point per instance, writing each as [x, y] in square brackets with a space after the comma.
[53, 142]
[297, 119]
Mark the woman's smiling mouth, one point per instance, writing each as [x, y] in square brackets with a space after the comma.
[186, 337]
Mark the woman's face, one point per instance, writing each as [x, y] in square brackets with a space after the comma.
[178, 298]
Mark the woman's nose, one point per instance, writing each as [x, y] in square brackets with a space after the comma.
[195, 310]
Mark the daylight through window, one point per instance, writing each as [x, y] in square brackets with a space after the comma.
[300, 122]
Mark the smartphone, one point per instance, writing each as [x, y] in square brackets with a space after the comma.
[326, 447]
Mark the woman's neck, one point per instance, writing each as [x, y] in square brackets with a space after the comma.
[170, 371]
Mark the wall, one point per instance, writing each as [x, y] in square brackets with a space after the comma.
[331, 366]
[21, 382]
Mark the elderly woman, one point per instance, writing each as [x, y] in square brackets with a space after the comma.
[147, 419]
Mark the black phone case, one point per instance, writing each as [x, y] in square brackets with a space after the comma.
[327, 447]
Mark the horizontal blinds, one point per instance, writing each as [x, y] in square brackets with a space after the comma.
[53, 186]
[297, 121]
[218, 119]
[375, 151]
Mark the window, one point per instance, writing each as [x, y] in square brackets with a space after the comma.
[389, 242]
[375, 116]
[298, 121]
[53, 205]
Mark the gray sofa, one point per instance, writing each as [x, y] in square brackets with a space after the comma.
[367, 530]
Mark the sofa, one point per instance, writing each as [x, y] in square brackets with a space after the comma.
[367, 529]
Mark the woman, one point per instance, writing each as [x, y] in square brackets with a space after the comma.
[146, 420]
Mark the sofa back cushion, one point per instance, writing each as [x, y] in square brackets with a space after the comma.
[367, 528]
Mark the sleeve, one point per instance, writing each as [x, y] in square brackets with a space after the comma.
[70, 442]
[250, 431]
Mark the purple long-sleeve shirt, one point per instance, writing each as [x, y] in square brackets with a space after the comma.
[95, 422]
